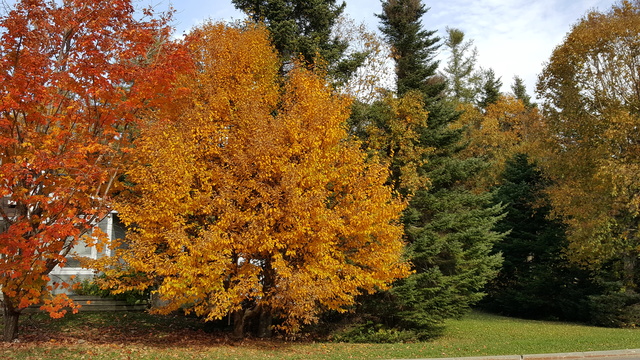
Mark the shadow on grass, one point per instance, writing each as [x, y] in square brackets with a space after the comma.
[132, 328]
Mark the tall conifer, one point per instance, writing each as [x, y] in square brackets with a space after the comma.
[303, 28]
[536, 280]
[414, 49]
[462, 78]
[490, 92]
[520, 91]
[449, 228]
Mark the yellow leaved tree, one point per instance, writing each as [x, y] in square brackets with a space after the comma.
[394, 128]
[247, 199]
[497, 134]
[589, 141]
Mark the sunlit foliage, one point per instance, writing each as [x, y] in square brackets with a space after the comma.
[73, 77]
[251, 200]
[393, 132]
[589, 143]
[496, 134]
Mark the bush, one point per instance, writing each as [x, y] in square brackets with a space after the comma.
[93, 288]
[370, 332]
[620, 309]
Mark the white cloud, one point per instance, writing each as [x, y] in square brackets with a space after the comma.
[513, 37]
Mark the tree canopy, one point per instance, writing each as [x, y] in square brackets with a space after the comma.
[74, 76]
[305, 29]
[269, 173]
[252, 200]
[413, 48]
[462, 78]
[589, 139]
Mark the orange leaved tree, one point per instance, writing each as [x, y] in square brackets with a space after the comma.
[73, 75]
[253, 202]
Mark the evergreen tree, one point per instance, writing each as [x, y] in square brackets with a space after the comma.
[451, 236]
[535, 281]
[449, 227]
[490, 92]
[460, 71]
[450, 230]
[304, 28]
[520, 92]
[414, 49]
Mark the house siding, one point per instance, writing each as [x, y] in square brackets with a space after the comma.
[72, 272]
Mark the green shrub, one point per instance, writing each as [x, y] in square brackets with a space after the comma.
[370, 332]
[93, 288]
[618, 309]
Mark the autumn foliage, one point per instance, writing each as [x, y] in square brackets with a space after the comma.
[589, 141]
[74, 75]
[496, 134]
[250, 200]
[232, 159]
[394, 132]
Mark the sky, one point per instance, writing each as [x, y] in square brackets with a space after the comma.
[514, 37]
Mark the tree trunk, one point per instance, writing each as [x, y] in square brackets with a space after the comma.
[629, 270]
[11, 317]
[264, 324]
[238, 324]
[265, 317]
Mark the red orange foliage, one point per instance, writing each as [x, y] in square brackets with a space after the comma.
[74, 77]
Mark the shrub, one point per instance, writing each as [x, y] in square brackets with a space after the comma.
[92, 288]
[619, 309]
[371, 332]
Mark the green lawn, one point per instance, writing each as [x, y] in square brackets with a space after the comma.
[112, 336]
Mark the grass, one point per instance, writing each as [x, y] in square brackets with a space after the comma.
[142, 336]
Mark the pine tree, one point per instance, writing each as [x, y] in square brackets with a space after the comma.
[520, 92]
[490, 92]
[461, 76]
[451, 235]
[449, 228]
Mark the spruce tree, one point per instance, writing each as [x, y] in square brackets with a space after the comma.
[450, 231]
[490, 92]
[303, 28]
[520, 92]
[414, 49]
[536, 280]
[449, 227]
